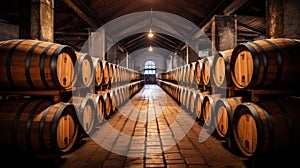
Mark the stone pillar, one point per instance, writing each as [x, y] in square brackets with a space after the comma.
[97, 43]
[224, 33]
[37, 19]
[282, 18]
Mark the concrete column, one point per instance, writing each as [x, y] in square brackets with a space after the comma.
[282, 18]
[224, 33]
[37, 19]
[97, 43]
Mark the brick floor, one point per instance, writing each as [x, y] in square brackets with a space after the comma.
[144, 132]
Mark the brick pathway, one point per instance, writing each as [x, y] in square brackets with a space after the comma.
[151, 131]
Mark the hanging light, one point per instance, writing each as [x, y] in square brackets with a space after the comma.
[150, 48]
[150, 33]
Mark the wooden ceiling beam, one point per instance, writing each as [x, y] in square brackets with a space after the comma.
[250, 28]
[235, 5]
[80, 13]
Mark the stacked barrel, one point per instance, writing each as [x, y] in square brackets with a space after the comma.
[32, 123]
[248, 95]
[51, 95]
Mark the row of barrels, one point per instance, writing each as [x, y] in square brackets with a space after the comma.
[42, 126]
[27, 64]
[268, 63]
[268, 127]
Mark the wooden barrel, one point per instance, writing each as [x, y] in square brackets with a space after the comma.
[198, 71]
[36, 65]
[113, 97]
[84, 73]
[85, 110]
[125, 92]
[107, 103]
[208, 110]
[185, 99]
[198, 104]
[186, 73]
[99, 105]
[176, 76]
[207, 75]
[180, 75]
[191, 100]
[268, 63]
[119, 99]
[269, 127]
[38, 126]
[105, 66]
[182, 96]
[111, 73]
[116, 76]
[221, 68]
[97, 70]
[192, 80]
[224, 108]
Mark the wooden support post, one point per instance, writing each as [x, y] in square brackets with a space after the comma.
[280, 18]
[97, 43]
[37, 20]
[224, 33]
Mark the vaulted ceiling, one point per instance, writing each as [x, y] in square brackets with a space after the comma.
[128, 21]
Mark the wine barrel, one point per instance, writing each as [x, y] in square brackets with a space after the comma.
[180, 75]
[191, 100]
[192, 80]
[208, 110]
[36, 65]
[119, 100]
[269, 127]
[207, 74]
[107, 103]
[105, 72]
[182, 96]
[111, 72]
[97, 70]
[99, 105]
[84, 74]
[38, 126]
[113, 97]
[221, 68]
[198, 104]
[224, 112]
[185, 99]
[186, 73]
[268, 63]
[198, 71]
[116, 76]
[85, 110]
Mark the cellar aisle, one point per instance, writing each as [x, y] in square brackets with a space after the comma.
[150, 130]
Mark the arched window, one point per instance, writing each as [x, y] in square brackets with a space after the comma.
[149, 67]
